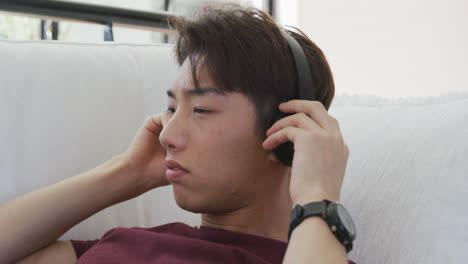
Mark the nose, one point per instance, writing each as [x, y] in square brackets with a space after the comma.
[173, 135]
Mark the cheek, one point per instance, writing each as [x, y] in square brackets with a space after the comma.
[225, 149]
[228, 161]
[216, 132]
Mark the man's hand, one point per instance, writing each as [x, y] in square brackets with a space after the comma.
[320, 154]
[146, 155]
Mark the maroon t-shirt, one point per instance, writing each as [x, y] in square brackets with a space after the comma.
[178, 243]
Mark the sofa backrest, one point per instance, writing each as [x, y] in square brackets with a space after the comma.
[68, 107]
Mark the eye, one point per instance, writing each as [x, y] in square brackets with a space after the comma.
[201, 111]
[198, 110]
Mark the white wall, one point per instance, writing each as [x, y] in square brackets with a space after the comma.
[392, 48]
[388, 48]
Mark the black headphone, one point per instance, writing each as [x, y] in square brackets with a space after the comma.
[285, 151]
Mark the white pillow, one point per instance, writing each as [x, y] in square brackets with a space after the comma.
[67, 107]
[407, 177]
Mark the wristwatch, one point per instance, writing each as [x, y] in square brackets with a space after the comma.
[336, 216]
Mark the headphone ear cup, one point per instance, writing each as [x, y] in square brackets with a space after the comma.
[285, 151]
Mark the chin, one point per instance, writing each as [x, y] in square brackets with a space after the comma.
[188, 205]
[193, 206]
[201, 205]
[187, 202]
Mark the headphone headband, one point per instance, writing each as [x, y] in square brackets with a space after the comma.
[304, 78]
[285, 151]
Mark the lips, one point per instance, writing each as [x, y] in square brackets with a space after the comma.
[173, 164]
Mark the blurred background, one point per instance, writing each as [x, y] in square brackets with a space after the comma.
[387, 48]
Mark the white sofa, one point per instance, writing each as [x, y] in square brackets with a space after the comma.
[68, 107]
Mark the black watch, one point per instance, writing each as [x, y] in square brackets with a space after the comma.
[336, 216]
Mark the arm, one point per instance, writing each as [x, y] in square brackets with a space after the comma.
[317, 173]
[39, 218]
[313, 240]
[59, 252]
[35, 220]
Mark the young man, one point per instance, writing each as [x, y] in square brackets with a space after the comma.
[214, 146]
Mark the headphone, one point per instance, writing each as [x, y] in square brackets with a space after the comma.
[285, 151]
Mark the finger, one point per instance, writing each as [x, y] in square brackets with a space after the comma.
[284, 135]
[154, 124]
[337, 125]
[314, 109]
[300, 120]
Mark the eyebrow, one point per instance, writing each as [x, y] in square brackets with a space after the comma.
[193, 92]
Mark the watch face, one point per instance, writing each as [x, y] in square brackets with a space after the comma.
[346, 220]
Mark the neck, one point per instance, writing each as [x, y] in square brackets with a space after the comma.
[266, 215]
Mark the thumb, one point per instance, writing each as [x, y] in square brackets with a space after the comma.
[154, 124]
[149, 132]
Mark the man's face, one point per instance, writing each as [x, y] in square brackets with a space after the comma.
[224, 157]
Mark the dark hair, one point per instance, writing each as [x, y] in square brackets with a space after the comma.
[242, 50]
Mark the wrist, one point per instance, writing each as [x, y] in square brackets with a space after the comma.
[317, 226]
[333, 213]
[308, 197]
[118, 175]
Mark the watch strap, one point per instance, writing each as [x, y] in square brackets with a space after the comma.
[302, 212]
[322, 209]
[315, 209]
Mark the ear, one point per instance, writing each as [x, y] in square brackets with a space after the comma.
[271, 157]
